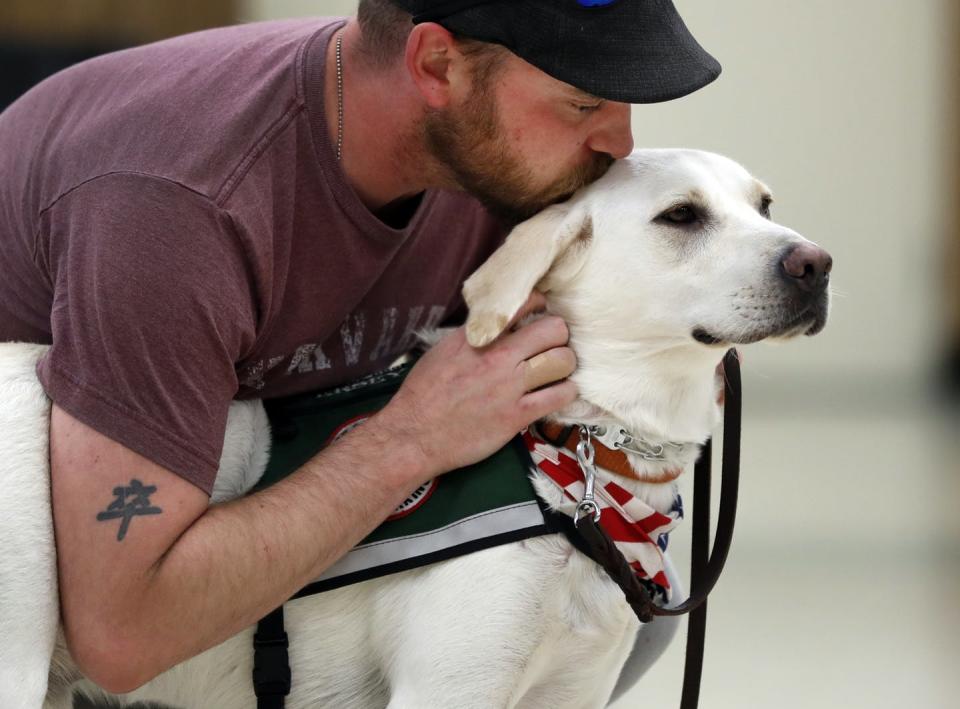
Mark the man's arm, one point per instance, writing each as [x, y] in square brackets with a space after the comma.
[189, 576]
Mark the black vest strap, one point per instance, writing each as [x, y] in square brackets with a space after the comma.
[559, 523]
[271, 666]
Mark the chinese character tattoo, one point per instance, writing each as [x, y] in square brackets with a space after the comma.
[131, 501]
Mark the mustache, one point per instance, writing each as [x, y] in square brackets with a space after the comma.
[560, 191]
[585, 174]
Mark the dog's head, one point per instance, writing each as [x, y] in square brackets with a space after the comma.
[671, 256]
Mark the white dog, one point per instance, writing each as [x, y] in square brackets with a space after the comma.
[657, 268]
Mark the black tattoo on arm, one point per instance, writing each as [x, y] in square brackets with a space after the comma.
[131, 501]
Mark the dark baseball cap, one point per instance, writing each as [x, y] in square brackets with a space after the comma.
[635, 51]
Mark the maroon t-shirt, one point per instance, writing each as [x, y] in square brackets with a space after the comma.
[174, 221]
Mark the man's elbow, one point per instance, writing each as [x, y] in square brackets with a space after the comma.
[115, 662]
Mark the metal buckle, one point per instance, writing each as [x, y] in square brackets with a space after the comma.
[585, 456]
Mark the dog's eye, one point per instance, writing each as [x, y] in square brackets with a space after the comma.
[684, 214]
[765, 207]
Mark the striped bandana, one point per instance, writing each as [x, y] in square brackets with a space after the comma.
[639, 531]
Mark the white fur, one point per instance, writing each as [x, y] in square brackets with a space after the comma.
[29, 610]
[526, 625]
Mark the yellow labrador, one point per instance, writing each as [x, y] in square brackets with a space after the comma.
[657, 268]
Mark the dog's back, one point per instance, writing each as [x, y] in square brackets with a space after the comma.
[29, 609]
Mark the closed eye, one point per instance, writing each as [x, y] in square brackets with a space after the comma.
[586, 107]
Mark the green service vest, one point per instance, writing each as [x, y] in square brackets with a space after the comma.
[480, 506]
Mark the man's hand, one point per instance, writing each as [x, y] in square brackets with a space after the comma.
[460, 404]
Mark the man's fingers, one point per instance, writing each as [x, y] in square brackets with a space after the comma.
[539, 336]
[549, 400]
[547, 367]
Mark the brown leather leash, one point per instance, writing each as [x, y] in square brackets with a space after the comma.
[704, 571]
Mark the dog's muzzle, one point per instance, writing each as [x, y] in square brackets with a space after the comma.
[795, 302]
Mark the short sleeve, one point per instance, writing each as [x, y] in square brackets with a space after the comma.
[153, 305]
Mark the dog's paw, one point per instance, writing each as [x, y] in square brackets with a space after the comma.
[483, 328]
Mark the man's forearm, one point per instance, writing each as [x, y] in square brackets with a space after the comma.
[242, 559]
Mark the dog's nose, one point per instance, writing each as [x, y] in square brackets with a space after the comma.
[807, 266]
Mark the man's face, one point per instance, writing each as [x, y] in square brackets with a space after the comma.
[522, 140]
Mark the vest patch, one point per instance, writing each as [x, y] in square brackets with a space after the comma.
[416, 500]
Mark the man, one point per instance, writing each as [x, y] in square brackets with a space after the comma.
[269, 209]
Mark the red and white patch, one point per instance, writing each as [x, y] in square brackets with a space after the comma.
[415, 499]
[344, 428]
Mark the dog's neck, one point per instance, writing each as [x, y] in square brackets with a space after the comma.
[662, 395]
[659, 495]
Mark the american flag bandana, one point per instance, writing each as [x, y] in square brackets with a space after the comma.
[639, 531]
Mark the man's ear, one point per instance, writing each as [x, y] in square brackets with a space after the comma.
[496, 290]
[434, 63]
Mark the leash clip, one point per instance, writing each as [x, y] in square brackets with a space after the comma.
[585, 456]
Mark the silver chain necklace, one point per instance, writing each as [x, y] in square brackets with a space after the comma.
[339, 95]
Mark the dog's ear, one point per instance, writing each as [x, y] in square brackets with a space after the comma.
[497, 290]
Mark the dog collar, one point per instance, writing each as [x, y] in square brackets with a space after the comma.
[609, 443]
[639, 531]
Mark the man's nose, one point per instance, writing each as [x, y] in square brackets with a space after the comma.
[612, 133]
